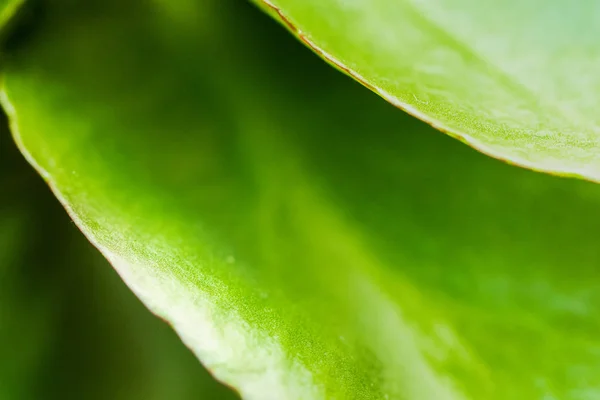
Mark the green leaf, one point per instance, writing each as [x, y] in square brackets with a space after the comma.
[69, 328]
[7, 9]
[515, 79]
[305, 239]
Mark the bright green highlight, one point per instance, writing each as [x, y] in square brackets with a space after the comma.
[305, 239]
[515, 79]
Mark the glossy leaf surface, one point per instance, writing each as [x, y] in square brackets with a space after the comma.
[515, 79]
[305, 239]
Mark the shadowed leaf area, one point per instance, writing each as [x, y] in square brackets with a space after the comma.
[306, 239]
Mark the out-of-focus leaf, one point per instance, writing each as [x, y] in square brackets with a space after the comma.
[304, 238]
[69, 329]
[515, 79]
[8, 9]
[26, 320]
